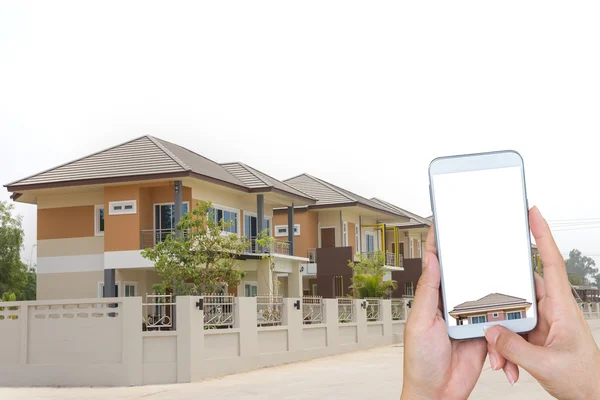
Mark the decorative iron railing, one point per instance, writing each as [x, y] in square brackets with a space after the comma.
[269, 310]
[345, 310]
[277, 247]
[373, 309]
[219, 311]
[399, 309]
[158, 312]
[312, 310]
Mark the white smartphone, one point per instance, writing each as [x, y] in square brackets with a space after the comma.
[481, 218]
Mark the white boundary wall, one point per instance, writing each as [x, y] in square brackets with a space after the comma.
[101, 342]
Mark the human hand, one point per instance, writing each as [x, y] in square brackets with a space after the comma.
[560, 352]
[435, 366]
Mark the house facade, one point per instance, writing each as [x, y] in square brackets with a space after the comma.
[96, 214]
[493, 307]
[342, 225]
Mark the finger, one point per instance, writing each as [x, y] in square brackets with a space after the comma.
[497, 360]
[511, 371]
[516, 349]
[555, 275]
[430, 244]
[425, 306]
[540, 287]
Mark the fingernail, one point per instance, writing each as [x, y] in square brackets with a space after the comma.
[493, 362]
[491, 334]
[510, 378]
[426, 260]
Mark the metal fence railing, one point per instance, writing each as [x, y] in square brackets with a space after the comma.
[373, 309]
[278, 247]
[219, 311]
[399, 309]
[345, 310]
[269, 310]
[158, 312]
[312, 310]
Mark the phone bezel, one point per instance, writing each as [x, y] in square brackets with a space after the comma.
[478, 162]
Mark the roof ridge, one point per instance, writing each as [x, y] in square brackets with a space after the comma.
[286, 184]
[78, 159]
[168, 152]
[330, 186]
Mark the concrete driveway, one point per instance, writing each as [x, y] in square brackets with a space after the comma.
[371, 374]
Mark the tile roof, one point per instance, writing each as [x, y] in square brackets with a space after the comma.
[329, 194]
[147, 157]
[414, 218]
[492, 299]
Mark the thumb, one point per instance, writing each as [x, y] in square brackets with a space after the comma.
[516, 349]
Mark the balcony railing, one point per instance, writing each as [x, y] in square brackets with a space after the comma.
[150, 237]
[389, 259]
[277, 247]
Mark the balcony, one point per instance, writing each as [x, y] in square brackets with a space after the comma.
[150, 237]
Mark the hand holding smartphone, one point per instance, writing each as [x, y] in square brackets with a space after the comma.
[480, 210]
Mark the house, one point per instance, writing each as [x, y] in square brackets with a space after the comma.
[97, 213]
[342, 225]
[493, 307]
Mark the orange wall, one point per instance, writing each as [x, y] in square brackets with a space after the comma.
[352, 236]
[65, 222]
[308, 221]
[122, 232]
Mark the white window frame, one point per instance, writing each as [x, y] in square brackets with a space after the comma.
[238, 216]
[495, 315]
[164, 204]
[251, 283]
[97, 209]
[101, 284]
[372, 234]
[345, 233]
[253, 214]
[122, 204]
[357, 238]
[513, 312]
[477, 316]
[130, 283]
[420, 243]
[278, 227]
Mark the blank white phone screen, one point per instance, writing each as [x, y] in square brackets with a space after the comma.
[483, 239]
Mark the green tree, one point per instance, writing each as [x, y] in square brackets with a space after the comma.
[13, 271]
[202, 259]
[580, 268]
[29, 291]
[368, 276]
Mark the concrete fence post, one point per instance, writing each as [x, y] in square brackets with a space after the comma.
[23, 331]
[361, 322]
[330, 319]
[190, 339]
[292, 317]
[245, 321]
[132, 341]
[386, 318]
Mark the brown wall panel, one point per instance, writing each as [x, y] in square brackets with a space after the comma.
[352, 236]
[412, 272]
[65, 222]
[332, 262]
[122, 232]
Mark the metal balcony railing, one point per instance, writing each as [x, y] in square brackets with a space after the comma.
[389, 258]
[277, 247]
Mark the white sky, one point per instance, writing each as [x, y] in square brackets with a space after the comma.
[472, 269]
[361, 94]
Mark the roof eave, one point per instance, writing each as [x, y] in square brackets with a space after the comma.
[271, 189]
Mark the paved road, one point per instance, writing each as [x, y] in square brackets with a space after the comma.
[372, 374]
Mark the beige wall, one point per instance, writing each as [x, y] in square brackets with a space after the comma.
[74, 285]
[94, 196]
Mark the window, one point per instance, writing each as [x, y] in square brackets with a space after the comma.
[409, 288]
[282, 230]
[370, 242]
[251, 225]
[345, 226]
[513, 315]
[251, 289]
[495, 315]
[164, 215]
[101, 289]
[130, 289]
[357, 238]
[225, 216]
[99, 220]
[122, 207]
[480, 319]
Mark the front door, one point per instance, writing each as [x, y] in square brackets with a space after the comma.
[402, 249]
[327, 238]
